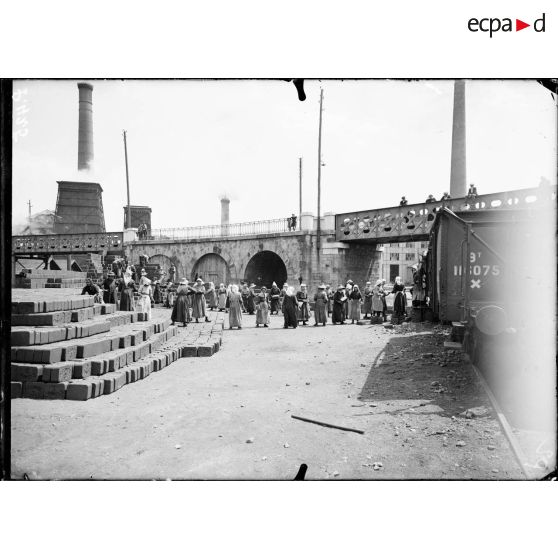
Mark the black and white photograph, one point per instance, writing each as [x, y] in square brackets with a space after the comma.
[278, 279]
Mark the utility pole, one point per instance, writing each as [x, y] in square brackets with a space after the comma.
[300, 193]
[318, 227]
[128, 212]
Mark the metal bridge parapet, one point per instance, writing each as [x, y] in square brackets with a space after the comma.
[66, 243]
[414, 222]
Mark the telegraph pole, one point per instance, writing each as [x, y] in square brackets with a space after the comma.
[318, 227]
[300, 193]
[129, 212]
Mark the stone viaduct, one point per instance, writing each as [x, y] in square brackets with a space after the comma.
[264, 258]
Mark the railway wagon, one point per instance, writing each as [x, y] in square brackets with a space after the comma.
[484, 266]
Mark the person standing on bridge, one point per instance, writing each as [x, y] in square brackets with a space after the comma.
[290, 308]
[235, 307]
[403, 201]
[222, 298]
[445, 197]
[430, 199]
[274, 295]
[367, 306]
[320, 307]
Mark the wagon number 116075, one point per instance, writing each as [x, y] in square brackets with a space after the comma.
[476, 268]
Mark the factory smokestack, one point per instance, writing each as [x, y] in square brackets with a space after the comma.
[85, 130]
[225, 202]
[458, 177]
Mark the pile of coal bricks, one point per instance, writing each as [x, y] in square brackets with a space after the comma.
[73, 349]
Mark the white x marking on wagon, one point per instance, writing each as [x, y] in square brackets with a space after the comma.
[475, 283]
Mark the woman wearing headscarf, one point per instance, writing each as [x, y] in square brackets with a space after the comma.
[198, 306]
[157, 296]
[399, 302]
[274, 296]
[145, 297]
[222, 297]
[355, 300]
[367, 306]
[181, 308]
[109, 289]
[339, 299]
[290, 308]
[320, 307]
[377, 304]
[262, 308]
[303, 304]
[211, 296]
[282, 295]
[383, 295]
[126, 295]
[235, 307]
[329, 293]
[171, 295]
[348, 289]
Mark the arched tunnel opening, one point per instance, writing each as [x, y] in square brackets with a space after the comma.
[264, 268]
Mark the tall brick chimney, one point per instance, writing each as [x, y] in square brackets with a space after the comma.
[458, 177]
[85, 129]
[225, 202]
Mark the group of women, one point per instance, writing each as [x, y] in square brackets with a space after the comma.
[123, 291]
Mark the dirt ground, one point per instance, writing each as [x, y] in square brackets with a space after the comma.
[229, 416]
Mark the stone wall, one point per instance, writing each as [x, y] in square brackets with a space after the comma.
[338, 261]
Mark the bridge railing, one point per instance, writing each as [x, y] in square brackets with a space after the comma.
[415, 221]
[66, 243]
[249, 228]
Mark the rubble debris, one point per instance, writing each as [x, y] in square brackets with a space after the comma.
[460, 444]
[286, 445]
[377, 465]
[475, 412]
[250, 441]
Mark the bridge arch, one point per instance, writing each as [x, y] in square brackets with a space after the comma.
[264, 268]
[165, 262]
[212, 267]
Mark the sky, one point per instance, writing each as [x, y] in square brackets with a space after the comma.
[191, 141]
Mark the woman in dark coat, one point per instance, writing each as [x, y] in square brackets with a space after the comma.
[181, 307]
[320, 309]
[157, 295]
[400, 301]
[339, 299]
[367, 306]
[290, 308]
[126, 295]
[274, 295]
[109, 289]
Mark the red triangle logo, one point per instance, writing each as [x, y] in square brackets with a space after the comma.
[519, 25]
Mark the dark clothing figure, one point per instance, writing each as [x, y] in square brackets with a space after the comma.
[446, 196]
[290, 311]
[181, 307]
[90, 290]
[274, 294]
[157, 295]
[109, 288]
[339, 299]
[303, 306]
[172, 273]
[248, 299]
[126, 296]
[400, 300]
[430, 199]
[403, 201]
[472, 193]
[320, 308]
